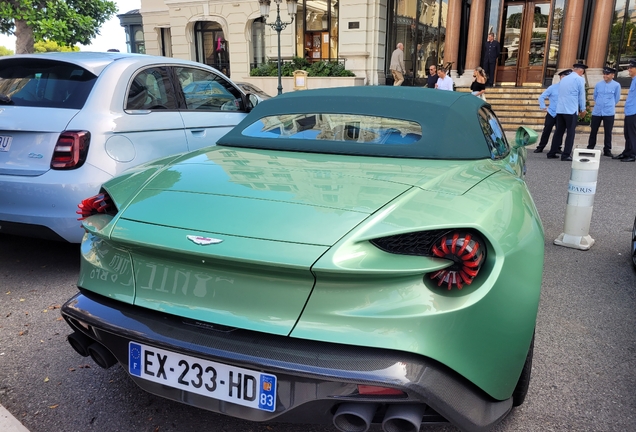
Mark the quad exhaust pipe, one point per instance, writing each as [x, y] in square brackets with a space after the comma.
[357, 417]
[354, 417]
[403, 418]
[85, 346]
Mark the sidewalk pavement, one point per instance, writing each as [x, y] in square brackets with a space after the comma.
[8, 423]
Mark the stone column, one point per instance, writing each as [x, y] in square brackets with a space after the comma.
[451, 44]
[571, 32]
[596, 53]
[475, 40]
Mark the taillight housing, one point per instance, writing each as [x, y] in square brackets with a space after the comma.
[98, 204]
[70, 150]
[466, 250]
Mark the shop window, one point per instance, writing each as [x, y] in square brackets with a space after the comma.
[212, 48]
[258, 42]
[421, 26]
[622, 41]
[317, 30]
[165, 38]
[135, 39]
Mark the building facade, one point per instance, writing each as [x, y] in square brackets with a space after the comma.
[538, 38]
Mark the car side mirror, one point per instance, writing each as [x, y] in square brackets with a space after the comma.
[525, 136]
[249, 101]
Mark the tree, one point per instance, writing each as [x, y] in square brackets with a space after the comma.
[52, 46]
[67, 22]
[4, 51]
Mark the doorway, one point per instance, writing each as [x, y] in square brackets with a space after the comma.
[524, 42]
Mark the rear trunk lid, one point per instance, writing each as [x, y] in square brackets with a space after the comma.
[28, 136]
[263, 219]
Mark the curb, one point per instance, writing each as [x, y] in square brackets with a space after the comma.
[8, 423]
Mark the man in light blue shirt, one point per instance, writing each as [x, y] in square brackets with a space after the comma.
[607, 93]
[571, 101]
[552, 95]
[629, 127]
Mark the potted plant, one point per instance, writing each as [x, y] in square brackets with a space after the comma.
[587, 118]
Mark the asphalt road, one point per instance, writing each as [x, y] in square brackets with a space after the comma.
[584, 371]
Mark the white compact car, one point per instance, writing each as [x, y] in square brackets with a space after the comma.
[71, 121]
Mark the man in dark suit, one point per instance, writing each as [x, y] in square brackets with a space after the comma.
[491, 54]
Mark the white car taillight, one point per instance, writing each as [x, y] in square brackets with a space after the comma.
[70, 150]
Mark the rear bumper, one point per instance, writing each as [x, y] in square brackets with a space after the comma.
[313, 377]
[47, 202]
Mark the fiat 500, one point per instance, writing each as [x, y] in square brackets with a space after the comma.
[71, 121]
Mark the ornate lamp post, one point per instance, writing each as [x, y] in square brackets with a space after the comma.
[278, 25]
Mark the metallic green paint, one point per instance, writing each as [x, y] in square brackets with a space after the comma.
[296, 230]
[493, 318]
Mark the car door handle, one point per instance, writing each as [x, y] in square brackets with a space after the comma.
[197, 131]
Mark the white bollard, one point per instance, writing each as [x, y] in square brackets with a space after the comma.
[581, 191]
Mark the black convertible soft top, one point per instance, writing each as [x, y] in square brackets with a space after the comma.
[449, 120]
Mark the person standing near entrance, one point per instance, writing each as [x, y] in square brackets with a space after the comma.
[431, 80]
[491, 54]
[552, 95]
[444, 82]
[571, 100]
[629, 127]
[397, 65]
[607, 93]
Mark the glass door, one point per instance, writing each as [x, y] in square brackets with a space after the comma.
[523, 42]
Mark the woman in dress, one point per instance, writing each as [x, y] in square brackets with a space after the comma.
[478, 87]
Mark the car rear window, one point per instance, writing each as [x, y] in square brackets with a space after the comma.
[337, 127]
[44, 83]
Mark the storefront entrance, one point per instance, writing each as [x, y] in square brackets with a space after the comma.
[524, 43]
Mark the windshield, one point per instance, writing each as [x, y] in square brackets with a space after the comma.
[337, 127]
[44, 83]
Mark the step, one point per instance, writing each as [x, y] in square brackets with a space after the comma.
[517, 106]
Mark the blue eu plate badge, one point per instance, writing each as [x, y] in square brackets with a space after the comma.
[134, 361]
[267, 399]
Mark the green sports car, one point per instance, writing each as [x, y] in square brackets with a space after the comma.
[352, 255]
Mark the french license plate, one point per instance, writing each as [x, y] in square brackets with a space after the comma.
[5, 143]
[219, 381]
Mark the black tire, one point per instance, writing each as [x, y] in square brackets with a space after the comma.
[521, 390]
[634, 244]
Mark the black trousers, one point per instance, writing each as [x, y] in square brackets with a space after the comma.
[489, 68]
[608, 124]
[564, 123]
[548, 125]
[630, 135]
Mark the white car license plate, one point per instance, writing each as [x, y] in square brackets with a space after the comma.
[219, 381]
[5, 143]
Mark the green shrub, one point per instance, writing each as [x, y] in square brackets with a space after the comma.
[317, 69]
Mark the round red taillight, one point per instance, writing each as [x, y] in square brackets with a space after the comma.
[467, 252]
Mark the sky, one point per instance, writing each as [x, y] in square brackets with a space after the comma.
[112, 34]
